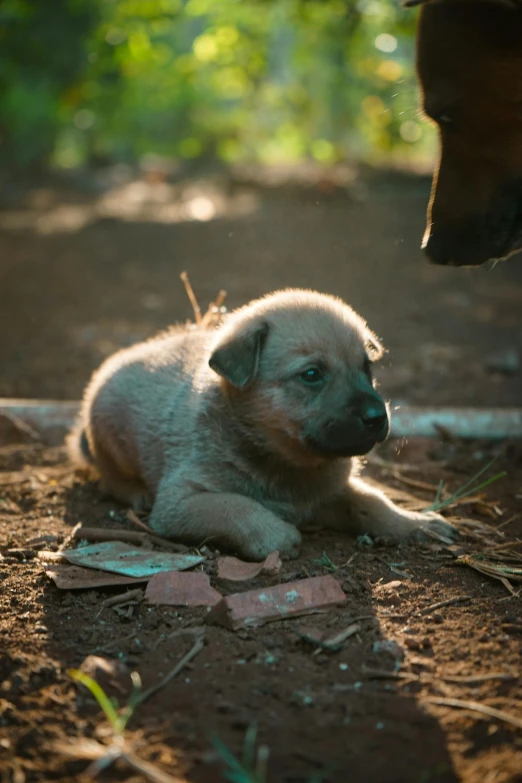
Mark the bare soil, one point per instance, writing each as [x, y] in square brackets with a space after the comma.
[89, 266]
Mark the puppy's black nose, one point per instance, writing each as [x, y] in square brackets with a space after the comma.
[373, 415]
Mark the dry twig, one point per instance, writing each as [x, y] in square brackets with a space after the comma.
[123, 598]
[449, 602]
[95, 534]
[475, 706]
[192, 298]
[196, 649]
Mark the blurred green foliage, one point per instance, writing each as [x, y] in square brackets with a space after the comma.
[270, 80]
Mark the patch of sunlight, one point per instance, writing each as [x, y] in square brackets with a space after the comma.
[322, 150]
[135, 201]
[386, 43]
[227, 36]
[372, 105]
[389, 70]
[139, 44]
[115, 36]
[201, 208]
[84, 119]
[410, 131]
[205, 48]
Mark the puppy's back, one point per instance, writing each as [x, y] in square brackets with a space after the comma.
[131, 398]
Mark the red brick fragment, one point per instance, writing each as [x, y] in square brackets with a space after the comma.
[277, 603]
[235, 570]
[181, 588]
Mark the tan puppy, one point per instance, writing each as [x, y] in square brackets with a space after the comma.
[242, 435]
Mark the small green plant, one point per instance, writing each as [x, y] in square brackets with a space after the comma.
[118, 746]
[253, 766]
[466, 490]
[118, 718]
[325, 561]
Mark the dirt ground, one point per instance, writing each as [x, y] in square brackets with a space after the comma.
[91, 265]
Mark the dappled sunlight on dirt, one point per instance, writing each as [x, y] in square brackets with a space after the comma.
[137, 200]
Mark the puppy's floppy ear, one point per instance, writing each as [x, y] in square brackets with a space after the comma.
[237, 358]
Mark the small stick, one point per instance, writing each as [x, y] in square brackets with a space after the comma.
[475, 707]
[384, 674]
[22, 426]
[134, 518]
[475, 679]
[192, 298]
[123, 598]
[312, 640]
[148, 770]
[334, 643]
[507, 545]
[421, 467]
[450, 602]
[414, 482]
[508, 521]
[95, 534]
[213, 309]
[196, 649]
[339, 638]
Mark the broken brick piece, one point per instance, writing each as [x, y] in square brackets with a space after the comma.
[180, 588]
[277, 603]
[235, 570]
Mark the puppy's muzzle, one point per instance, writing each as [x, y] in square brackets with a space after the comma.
[354, 433]
[374, 417]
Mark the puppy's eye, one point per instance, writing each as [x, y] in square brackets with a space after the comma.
[312, 376]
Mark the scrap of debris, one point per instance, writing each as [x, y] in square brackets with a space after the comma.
[290, 599]
[181, 589]
[120, 558]
[231, 569]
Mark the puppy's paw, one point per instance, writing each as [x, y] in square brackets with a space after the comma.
[283, 537]
[429, 522]
[436, 524]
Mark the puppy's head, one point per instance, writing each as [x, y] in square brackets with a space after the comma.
[297, 368]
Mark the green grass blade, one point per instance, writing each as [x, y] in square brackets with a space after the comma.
[465, 490]
[249, 747]
[459, 496]
[235, 771]
[322, 775]
[101, 697]
[439, 491]
[134, 699]
[263, 753]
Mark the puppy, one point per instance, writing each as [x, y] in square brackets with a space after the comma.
[241, 435]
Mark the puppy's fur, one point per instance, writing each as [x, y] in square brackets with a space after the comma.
[242, 435]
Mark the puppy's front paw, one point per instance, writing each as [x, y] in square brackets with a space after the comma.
[283, 537]
[431, 522]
